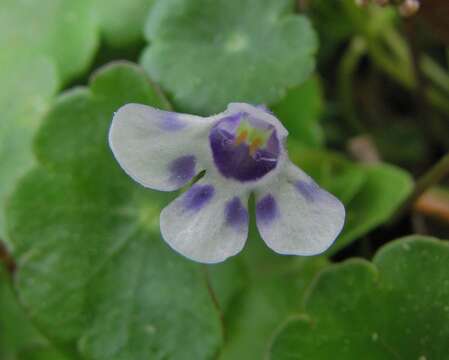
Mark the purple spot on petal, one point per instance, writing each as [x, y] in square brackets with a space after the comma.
[309, 190]
[182, 169]
[198, 196]
[170, 121]
[266, 210]
[236, 214]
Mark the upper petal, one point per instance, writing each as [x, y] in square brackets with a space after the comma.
[208, 223]
[159, 149]
[295, 216]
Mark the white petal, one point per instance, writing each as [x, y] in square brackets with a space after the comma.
[159, 149]
[208, 223]
[295, 216]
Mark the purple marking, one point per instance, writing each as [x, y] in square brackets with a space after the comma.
[236, 214]
[309, 190]
[170, 121]
[182, 169]
[234, 161]
[266, 210]
[198, 196]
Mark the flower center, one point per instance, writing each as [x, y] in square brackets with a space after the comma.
[244, 148]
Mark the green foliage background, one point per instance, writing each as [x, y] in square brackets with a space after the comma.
[84, 273]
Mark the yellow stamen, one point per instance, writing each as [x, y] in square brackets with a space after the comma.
[255, 145]
[242, 137]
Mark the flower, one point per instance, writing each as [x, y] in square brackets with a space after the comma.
[242, 151]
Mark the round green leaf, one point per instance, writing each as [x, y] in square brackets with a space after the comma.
[94, 273]
[209, 53]
[394, 308]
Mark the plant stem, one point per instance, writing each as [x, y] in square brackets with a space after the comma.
[347, 68]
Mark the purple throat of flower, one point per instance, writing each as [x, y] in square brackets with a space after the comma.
[244, 148]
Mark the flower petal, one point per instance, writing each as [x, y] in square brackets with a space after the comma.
[295, 216]
[159, 149]
[208, 223]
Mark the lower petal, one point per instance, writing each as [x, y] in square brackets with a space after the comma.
[295, 216]
[208, 223]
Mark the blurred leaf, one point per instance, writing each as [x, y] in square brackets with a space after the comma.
[385, 189]
[404, 143]
[27, 87]
[394, 308]
[94, 273]
[300, 112]
[122, 22]
[45, 43]
[64, 31]
[211, 53]
[274, 291]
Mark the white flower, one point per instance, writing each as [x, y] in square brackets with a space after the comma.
[242, 151]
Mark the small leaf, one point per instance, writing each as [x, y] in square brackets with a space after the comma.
[300, 111]
[93, 271]
[210, 53]
[386, 187]
[395, 308]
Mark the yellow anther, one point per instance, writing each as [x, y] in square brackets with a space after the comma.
[255, 145]
[243, 136]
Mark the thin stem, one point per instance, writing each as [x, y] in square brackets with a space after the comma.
[214, 298]
[432, 177]
[347, 68]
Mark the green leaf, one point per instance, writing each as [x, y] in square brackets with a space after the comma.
[64, 31]
[300, 112]
[385, 189]
[27, 87]
[48, 42]
[394, 308]
[93, 271]
[210, 53]
[122, 22]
